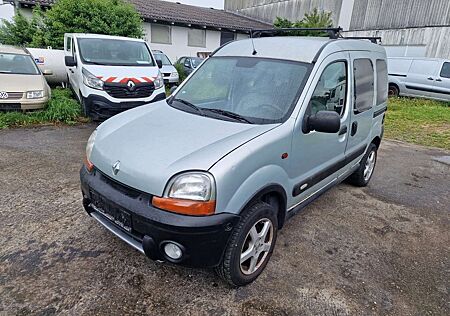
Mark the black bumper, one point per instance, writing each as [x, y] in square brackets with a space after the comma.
[202, 238]
[100, 108]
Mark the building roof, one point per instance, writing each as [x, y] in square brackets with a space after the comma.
[176, 13]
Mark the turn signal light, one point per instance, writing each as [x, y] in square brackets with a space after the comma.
[186, 207]
[88, 164]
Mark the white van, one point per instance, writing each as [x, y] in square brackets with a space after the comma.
[111, 74]
[419, 77]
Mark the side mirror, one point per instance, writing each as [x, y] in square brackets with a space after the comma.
[172, 89]
[324, 122]
[187, 64]
[47, 72]
[70, 61]
[159, 63]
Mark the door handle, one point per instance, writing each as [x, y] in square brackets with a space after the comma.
[354, 128]
[430, 78]
[343, 130]
[439, 79]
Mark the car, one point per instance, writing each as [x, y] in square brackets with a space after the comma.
[168, 71]
[419, 77]
[209, 176]
[189, 63]
[22, 84]
[111, 74]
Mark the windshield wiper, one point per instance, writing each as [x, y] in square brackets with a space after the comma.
[229, 114]
[189, 104]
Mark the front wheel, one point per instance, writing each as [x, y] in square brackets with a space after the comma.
[363, 174]
[251, 245]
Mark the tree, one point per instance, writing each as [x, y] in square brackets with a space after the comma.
[110, 17]
[314, 19]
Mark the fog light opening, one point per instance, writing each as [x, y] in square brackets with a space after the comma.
[173, 251]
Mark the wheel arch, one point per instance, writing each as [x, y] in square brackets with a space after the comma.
[376, 141]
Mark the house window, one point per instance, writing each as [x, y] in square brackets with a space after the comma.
[364, 84]
[197, 38]
[226, 37]
[161, 34]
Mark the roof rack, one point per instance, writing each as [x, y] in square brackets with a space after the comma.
[333, 32]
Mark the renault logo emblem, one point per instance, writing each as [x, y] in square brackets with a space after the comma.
[131, 85]
[3, 95]
[116, 167]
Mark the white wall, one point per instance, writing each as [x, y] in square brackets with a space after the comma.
[6, 11]
[179, 46]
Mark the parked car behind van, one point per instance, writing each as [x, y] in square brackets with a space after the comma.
[189, 63]
[111, 74]
[209, 176]
[169, 72]
[22, 84]
[419, 77]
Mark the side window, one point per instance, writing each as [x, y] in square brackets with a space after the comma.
[382, 81]
[68, 44]
[364, 84]
[445, 71]
[331, 90]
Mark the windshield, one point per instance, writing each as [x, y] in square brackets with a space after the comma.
[163, 58]
[112, 52]
[17, 64]
[196, 61]
[251, 90]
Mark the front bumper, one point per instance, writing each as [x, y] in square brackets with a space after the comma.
[202, 238]
[23, 104]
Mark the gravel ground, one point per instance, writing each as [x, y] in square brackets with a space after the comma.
[383, 249]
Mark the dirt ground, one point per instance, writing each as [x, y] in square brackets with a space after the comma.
[384, 249]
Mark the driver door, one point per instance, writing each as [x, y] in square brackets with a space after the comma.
[317, 158]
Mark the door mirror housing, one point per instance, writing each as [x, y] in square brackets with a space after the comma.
[187, 64]
[159, 63]
[323, 122]
[70, 61]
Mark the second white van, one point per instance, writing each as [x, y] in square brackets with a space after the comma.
[111, 74]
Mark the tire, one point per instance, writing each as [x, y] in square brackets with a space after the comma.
[242, 241]
[362, 176]
[393, 90]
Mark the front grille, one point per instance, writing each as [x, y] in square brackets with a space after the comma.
[14, 95]
[130, 192]
[10, 106]
[122, 91]
[167, 74]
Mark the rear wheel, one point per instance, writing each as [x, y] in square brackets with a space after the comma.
[393, 90]
[363, 174]
[251, 245]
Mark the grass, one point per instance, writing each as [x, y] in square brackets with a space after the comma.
[419, 121]
[62, 108]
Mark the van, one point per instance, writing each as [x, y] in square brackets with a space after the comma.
[209, 176]
[111, 74]
[419, 77]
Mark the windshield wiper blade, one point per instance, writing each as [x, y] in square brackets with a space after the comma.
[189, 104]
[229, 114]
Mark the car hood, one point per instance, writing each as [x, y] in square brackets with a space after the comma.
[118, 73]
[21, 83]
[168, 69]
[155, 142]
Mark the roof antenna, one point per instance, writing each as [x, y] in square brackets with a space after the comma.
[253, 44]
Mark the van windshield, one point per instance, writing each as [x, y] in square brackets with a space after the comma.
[246, 89]
[17, 64]
[113, 52]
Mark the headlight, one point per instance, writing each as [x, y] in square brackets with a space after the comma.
[190, 193]
[89, 146]
[174, 74]
[91, 81]
[191, 186]
[35, 94]
[159, 81]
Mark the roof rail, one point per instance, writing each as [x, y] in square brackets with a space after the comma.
[333, 32]
[373, 39]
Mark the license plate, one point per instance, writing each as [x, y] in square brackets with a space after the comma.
[113, 212]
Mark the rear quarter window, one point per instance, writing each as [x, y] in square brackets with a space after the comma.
[382, 81]
[445, 71]
[364, 84]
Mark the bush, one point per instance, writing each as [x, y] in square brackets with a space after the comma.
[181, 72]
[315, 19]
[62, 108]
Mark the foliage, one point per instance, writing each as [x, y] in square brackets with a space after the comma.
[420, 121]
[111, 17]
[181, 72]
[62, 108]
[314, 19]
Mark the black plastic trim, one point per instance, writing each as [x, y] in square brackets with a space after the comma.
[380, 111]
[397, 75]
[427, 89]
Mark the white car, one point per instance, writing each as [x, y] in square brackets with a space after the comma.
[419, 77]
[169, 72]
[111, 74]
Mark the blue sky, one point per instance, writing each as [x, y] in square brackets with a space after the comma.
[217, 4]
